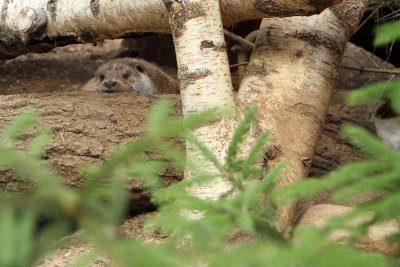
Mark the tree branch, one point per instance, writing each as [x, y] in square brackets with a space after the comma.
[91, 21]
[361, 69]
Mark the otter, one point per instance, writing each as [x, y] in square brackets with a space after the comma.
[132, 75]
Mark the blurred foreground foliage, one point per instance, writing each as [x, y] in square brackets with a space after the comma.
[32, 224]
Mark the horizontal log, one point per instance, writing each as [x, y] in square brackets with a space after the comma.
[40, 25]
[87, 127]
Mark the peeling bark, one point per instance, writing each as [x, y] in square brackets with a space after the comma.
[92, 21]
[291, 75]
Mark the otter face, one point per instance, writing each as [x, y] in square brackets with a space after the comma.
[120, 76]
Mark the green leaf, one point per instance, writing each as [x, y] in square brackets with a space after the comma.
[19, 124]
[204, 151]
[376, 91]
[158, 116]
[387, 33]
[370, 144]
[39, 144]
[344, 175]
[255, 154]
[241, 131]
[372, 184]
[394, 96]
[8, 235]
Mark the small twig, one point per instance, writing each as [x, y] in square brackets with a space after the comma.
[248, 45]
[239, 64]
[390, 50]
[370, 16]
[396, 72]
[389, 16]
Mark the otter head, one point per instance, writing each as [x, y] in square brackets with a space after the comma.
[123, 75]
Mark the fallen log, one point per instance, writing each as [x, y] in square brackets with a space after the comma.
[87, 127]
[39, 26]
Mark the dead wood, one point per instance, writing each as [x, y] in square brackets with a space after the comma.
[87, 127]
[38, 26]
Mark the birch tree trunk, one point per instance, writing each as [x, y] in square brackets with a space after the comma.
[204, 75]
[40, 25]
[291, 75]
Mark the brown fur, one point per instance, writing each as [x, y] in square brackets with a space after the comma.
[132, 75]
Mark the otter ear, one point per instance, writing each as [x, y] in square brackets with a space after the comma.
[140, 68]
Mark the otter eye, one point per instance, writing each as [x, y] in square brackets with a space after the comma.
[101, 77]
[139, 68]
[125, 75]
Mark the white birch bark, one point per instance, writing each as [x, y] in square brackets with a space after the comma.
[108, 18]
[291, 75]
[95, 20]
[204, 75]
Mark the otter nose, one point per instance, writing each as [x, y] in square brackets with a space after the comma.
[110, 84]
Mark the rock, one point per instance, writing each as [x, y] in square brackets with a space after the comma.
[318, 215]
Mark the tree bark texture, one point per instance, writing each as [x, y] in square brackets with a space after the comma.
[204, 75]
[87, 127]
[291, 75]
[39, 25]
